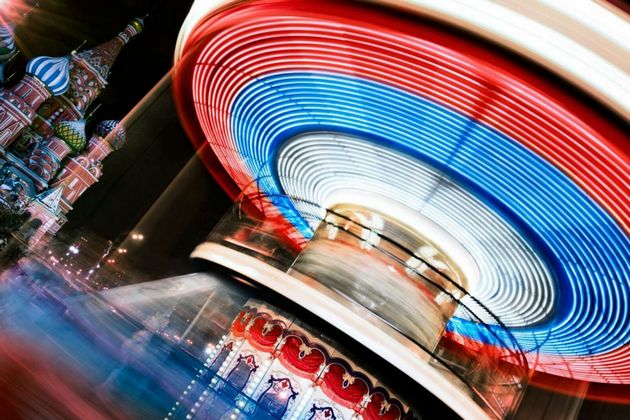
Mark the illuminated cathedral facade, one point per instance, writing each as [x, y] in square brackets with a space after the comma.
[47, 160]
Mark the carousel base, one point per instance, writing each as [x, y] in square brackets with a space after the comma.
[355, 321]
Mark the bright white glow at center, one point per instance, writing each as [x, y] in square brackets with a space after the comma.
[424, 226]
[505, 272]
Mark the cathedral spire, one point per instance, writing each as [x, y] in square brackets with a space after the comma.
[102, 57]
[89, 69]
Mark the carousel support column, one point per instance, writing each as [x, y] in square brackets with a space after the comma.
[359, 253]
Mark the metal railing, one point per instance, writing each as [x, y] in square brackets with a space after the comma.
[490, 364]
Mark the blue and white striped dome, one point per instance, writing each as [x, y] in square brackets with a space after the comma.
[52, 72]
[7, 45]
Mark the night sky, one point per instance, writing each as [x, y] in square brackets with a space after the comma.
[157, 148]
[56, 27]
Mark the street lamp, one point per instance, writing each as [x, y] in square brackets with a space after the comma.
[137, 236]
[113, 245]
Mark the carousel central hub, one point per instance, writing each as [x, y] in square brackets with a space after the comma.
[407, 281]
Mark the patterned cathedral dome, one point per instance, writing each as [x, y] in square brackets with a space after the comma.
[7, 45]
[52, 72]
[113, 131]
[72, 133]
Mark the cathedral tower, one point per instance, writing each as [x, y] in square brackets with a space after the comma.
[82, 171]
[51, 164]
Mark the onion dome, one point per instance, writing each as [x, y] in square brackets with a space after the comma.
[52, 72]
[113, 131]
[72, 133]
[7, 45]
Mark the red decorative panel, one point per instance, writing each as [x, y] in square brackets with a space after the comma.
[382, 407]
[265, 332]
[241, 321]
[343, 386]
[302, 358]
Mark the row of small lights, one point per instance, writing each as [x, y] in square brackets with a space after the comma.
[301, 406]
[74, 250]
[134, 236]
[211, 352]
